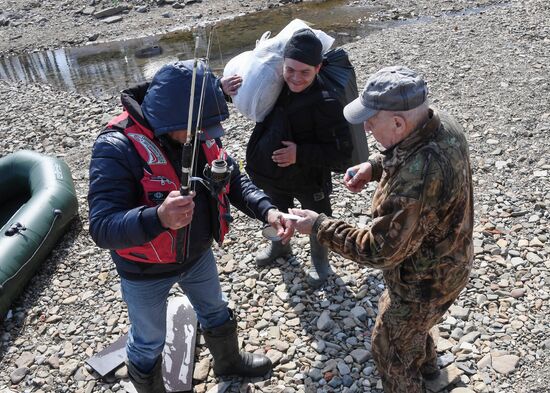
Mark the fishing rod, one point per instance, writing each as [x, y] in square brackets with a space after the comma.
[217, 173]
[198, 129]
[188, 149]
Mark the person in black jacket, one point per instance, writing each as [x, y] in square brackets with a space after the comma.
[136, 211]
[292, 152]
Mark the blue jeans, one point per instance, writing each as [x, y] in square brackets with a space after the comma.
[147, 303]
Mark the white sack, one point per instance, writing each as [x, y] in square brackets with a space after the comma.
[262, 71]
[262, 83]
[277, 43]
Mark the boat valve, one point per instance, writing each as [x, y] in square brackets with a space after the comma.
[15, 228]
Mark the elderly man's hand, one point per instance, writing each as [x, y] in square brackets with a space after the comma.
[230, 84]
[358, 176]
[176, 211]
[305, 223]
[284, 227]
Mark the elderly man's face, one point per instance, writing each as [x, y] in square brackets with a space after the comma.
[386, 128]
[298, 75]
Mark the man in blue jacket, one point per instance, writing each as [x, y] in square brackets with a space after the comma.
[136, 210]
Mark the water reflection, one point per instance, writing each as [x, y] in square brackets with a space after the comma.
[106, 68]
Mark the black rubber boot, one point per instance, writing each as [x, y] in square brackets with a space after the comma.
[273, 251]
[318, 274]
[223, 344]
[430, 371]
[151, 382]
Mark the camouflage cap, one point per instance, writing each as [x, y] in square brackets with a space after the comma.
[394, 88]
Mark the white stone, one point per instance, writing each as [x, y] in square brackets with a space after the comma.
[505, 364]
[517, 261]
[459, 312]
[444, 345]
[533, 258]
[484, 362]
[467, 347]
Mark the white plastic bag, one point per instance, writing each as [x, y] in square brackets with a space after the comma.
[262, 83]
[262, 71]
[277, 43]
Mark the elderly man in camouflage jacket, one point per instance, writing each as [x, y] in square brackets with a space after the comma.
[421, 234]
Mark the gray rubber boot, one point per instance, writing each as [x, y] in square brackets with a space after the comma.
[222, 341]
[273, 251]
[318, 274]
[151, 382]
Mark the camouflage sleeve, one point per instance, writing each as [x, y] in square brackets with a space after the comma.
[402, 219]
[376, 164]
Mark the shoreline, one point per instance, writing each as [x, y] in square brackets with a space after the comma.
[489, 70]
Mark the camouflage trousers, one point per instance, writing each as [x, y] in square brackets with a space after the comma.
[402, 346]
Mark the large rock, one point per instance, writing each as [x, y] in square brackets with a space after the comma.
[505, 364]
[109, 12]
[26, 359]
[448, 376]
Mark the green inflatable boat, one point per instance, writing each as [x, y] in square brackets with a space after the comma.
[37, 202]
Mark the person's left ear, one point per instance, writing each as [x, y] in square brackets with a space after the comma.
[317, 68]
[400, 125]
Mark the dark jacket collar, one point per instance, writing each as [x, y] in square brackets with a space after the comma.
[131, 100]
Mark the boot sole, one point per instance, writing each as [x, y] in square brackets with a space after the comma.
[247, 375]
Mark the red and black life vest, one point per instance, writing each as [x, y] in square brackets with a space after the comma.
[159, 179]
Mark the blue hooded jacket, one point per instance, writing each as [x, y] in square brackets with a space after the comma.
[166, 104]
[118, 217]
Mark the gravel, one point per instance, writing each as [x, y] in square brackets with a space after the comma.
[489, 68]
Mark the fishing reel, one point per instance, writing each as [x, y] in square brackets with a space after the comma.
[217, 175]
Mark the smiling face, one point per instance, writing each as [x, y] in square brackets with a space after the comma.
[297, 75]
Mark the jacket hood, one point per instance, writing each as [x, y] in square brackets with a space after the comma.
[166, 103]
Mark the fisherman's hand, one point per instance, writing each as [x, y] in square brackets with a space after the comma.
[358, 176]
[305, 223]
[230, 84]
[176, 211]
[284, 227]
[286, 156]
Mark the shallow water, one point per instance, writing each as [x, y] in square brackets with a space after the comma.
[104, 69]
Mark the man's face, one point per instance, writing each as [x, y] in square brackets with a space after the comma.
[178, 136]
[297, 75]
[385, 128]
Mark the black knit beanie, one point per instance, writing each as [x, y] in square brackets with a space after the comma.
[304, 46]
